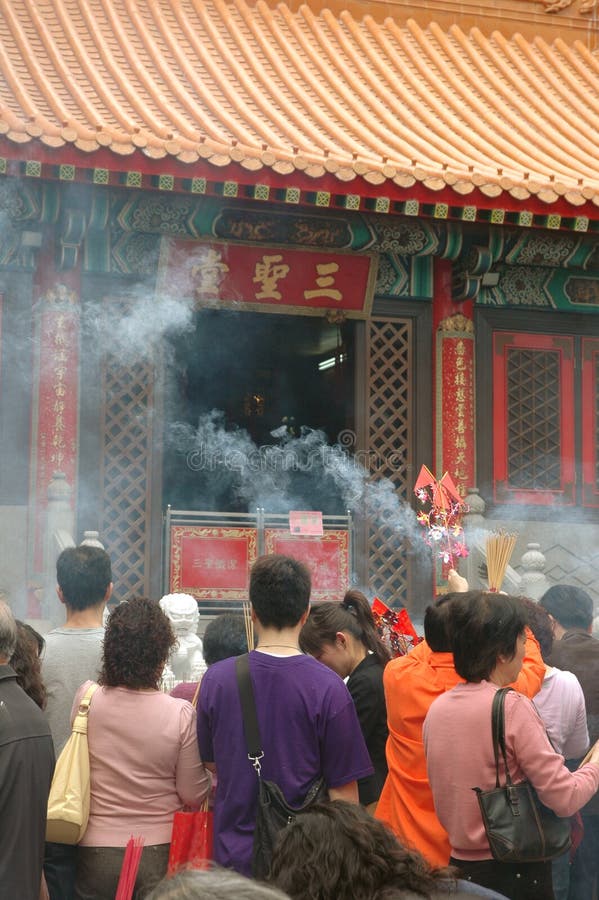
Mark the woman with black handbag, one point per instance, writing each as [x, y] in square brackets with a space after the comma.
[499, 786]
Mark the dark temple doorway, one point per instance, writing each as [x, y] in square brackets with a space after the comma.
[259, 374]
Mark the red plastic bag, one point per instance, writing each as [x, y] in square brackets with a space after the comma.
[191, 840]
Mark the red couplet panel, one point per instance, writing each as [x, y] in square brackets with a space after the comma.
[55, 433]
[212, 563]
[455, 426]
[327, 558]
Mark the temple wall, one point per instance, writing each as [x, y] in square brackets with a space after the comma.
[571, 551]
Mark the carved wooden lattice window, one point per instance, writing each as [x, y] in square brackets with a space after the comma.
[533, 390]
[390, 422]
[126, 461]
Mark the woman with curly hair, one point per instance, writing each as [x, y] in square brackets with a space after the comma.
[343, 636]
[144, 759]
[337, 851]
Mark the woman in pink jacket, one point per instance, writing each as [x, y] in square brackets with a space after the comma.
[143, 751]
[487, 635]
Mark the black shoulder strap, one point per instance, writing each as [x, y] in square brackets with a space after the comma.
[498, 726]
[248, 707]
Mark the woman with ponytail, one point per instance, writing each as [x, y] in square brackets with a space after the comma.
[343, 636]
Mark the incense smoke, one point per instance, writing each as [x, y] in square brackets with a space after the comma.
[135, 328]
[272, 476]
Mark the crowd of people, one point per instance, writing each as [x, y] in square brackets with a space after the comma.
[393, 748]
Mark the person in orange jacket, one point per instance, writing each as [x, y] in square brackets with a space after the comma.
[411, 684]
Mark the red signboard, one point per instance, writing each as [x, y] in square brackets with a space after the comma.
[325, 556]
[212, 563]
[267, 279]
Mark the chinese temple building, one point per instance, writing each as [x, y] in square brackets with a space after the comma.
[377, 220]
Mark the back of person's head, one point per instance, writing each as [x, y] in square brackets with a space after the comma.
[279, 590]
[212, 884]
[539, 622]
[84, 575]
[338, 851]
[484, 626]
[137, 643]
[35, 638]
[8, 633]
[225, 636]
[442, 893]
[353, 614]
[436, 624]
[25, 661]
[570, 606]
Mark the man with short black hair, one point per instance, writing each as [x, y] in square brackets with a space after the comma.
[26, 769]
[576, 650]
[570, 607]
[225, 636]
[74, 650]
[73, 654]
[307, 719]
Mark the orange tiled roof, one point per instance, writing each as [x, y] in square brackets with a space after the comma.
[388, 99]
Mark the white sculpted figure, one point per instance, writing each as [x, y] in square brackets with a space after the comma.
[187, 660]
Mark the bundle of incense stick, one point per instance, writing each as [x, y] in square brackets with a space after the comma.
[129, 868]
[249, 626]
[500, 546]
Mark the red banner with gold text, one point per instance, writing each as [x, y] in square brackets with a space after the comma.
[212, 563]
[55, 403]
[455, 401]
[267, 279]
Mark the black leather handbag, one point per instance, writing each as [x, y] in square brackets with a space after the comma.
[519, 827]
[273, 812]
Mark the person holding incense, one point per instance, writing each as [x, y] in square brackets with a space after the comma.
[343, 636]
[488, 639]
[411, 685]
